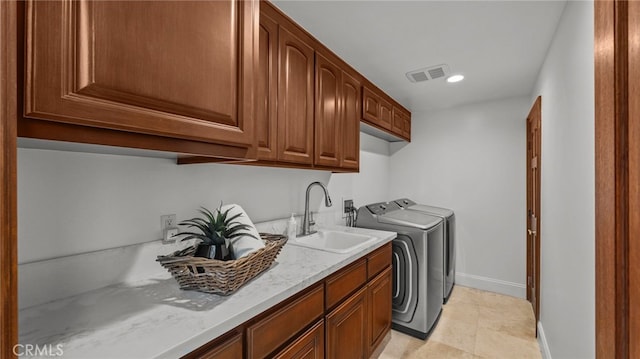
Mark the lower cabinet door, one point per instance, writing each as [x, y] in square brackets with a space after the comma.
[310, 345]
[379, 300]
[347, 328]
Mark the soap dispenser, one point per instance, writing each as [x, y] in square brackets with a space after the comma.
[292, 227]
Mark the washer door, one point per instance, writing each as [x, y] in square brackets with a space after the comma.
[405, 279]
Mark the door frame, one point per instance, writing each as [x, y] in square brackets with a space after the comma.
[533, 256]
[617, 175]
[8, 180]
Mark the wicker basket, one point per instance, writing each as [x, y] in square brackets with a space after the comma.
[221, 277]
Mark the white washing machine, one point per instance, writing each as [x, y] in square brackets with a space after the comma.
[449, 239]
[417, 264]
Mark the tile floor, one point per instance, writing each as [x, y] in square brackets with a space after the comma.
[473, 324]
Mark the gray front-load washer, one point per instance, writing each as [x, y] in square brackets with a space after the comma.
[449, 252]
[417, 264]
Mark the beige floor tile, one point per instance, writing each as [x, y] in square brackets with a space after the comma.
[466, 312]
[455, 333]
[513, 322]
[436, 350]
[497, 345]
[400, 346]
[474, 324]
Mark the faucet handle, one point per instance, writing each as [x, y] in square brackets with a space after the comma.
[312, 222]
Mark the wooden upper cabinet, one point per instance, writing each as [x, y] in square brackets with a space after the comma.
[398, 122]
[386, 114]
[370, 106]
[328, 121]
[267, 90]
[295, 98]
[167, 68]
[407, 126]
[350, 122]
[402, 123]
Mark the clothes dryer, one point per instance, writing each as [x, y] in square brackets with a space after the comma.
[449, 254]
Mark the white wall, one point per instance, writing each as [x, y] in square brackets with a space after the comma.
[472, 159]
[567, 278]
[70, 202]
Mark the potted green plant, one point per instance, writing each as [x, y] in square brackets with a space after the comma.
[217, 229]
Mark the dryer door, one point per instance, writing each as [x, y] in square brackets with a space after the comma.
[405, 279]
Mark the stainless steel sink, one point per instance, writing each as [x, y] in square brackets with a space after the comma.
[333, 241]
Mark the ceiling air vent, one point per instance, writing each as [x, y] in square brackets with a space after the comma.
[428, 73]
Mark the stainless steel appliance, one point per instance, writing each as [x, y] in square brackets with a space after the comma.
[449, 254]
[417, 264]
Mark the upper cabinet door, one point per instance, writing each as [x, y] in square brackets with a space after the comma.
[328, 122]
[370, 106]
[398, 122]
[181, 69]
[295, 99]
[386, 114]
[267, 94]
[350, 122]
[407, 126]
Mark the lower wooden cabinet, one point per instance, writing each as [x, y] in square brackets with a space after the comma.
[285, 323]
[379, 310]
[310, 345]
[347, 328]
[346, 315]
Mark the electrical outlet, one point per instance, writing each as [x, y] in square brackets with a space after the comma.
[348, 204]
[167, 221]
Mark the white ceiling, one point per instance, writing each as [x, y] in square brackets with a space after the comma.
[499, 46]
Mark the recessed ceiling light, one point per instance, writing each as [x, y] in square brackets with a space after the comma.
[455, 78]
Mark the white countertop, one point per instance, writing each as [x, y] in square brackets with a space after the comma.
[155, 319]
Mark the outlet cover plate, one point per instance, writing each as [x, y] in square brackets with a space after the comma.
[348, 203]
[167, 221]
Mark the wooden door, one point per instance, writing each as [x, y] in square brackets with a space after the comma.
[617, 143]
[347, 325]
[350, 122]
[8, 181]
[295, 98]
[534, 123]
[267, 89]
[168, 68]
[309, 345]
[379, 301]
[328, 119]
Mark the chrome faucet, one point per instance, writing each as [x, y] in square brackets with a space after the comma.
[308, 221]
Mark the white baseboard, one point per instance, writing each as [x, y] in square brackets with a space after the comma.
[542, 341]
[493, 285]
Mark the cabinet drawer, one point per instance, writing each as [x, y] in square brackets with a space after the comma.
[378, 261]
[227, 347]
[345, 282]
[309, 346]
[271, 332]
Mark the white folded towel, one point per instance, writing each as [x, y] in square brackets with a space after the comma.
[242, 246]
